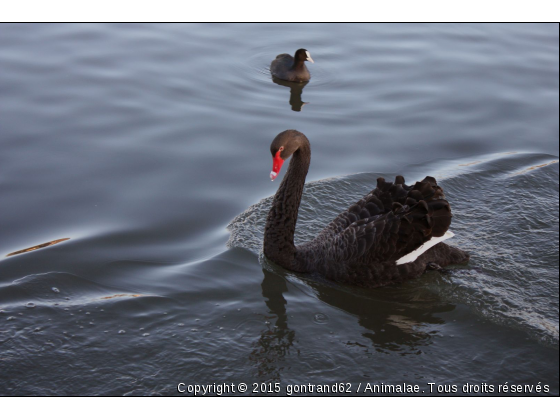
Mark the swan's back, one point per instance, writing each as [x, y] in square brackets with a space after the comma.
[364, 242]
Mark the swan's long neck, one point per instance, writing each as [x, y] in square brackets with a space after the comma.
[281, 222]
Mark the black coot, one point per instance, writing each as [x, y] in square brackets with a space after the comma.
[290, 68]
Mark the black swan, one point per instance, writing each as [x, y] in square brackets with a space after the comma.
[394, 233]
[292, 69]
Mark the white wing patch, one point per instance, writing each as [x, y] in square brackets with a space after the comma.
[419, 251]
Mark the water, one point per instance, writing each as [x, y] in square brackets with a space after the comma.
[127, 151]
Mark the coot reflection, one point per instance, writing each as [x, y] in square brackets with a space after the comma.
[295, 92]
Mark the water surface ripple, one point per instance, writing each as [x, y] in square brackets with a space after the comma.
[139, 144]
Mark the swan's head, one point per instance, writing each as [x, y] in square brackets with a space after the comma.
[282, 147]
[303, 55]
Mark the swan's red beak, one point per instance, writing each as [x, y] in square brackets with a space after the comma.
[277, 163]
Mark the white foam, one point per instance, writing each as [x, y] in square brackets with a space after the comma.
[419, 251]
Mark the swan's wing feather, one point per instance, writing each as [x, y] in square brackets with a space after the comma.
[388, 223]
[379, 201]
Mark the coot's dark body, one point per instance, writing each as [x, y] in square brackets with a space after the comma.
[362, 245]
[292, 69]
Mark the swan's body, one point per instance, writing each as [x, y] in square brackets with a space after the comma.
[362, 245]
[292, 69]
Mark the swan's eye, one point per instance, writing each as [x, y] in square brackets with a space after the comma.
[281, 148]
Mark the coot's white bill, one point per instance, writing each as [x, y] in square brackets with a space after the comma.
[309, 57]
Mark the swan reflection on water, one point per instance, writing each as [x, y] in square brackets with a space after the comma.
[296, 90]
[272, 347]
[394, 320]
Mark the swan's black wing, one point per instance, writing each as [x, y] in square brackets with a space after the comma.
[388, 223]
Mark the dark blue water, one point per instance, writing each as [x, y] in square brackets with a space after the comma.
[143, 143]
